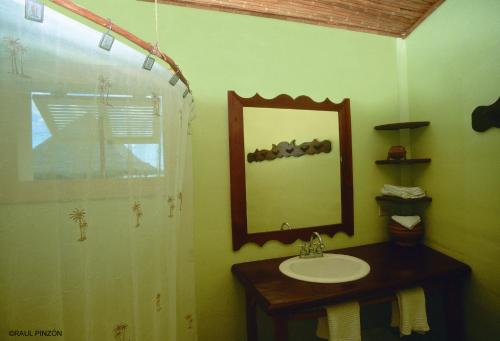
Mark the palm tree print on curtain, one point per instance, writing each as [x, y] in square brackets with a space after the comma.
[137, 209]
[120, 332]
[16, 52]
[78, 216]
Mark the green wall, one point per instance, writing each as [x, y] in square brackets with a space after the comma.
[250, 55]
[220, 52]
[454, 66]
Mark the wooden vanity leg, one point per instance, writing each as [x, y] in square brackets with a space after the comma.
[251, 312]
[454, 312]
[280, 328]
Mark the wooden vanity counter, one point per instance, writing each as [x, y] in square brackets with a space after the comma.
[391, 268]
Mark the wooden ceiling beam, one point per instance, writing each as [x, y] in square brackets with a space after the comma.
[395, 18]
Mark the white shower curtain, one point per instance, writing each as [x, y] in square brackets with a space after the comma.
[95, 187]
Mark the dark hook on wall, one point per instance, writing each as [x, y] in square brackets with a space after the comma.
[287, 149]
[486, 117]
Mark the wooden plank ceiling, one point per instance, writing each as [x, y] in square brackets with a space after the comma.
[396, 18]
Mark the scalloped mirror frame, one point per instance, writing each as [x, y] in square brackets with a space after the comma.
[236, 105]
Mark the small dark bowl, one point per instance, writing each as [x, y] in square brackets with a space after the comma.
[396, 153]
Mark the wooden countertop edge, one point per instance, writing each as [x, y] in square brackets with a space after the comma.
[430, 280]
[362, 297]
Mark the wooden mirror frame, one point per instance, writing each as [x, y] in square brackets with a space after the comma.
[237, 168]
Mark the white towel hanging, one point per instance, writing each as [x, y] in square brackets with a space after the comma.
[409, 313]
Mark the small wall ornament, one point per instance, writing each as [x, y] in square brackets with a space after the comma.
[78, 216]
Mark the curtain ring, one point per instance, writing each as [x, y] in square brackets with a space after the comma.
[110, 25]
[155, 49]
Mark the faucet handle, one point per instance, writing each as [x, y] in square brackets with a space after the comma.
[318, 243]
[318, 248]
[305, 249]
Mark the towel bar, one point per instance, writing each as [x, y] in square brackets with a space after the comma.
[306, 315]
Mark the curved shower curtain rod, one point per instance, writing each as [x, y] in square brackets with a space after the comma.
[71, 6]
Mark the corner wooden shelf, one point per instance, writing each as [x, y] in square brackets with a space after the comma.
[393, 199]
[402, 125]
[402, 162]
[401, 200]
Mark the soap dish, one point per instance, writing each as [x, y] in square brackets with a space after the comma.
[403, 236]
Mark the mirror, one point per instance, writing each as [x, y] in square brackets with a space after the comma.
[291, 168]
[275, 188]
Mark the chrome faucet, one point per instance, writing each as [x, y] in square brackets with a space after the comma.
[313, 248]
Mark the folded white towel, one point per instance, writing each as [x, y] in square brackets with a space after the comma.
[409, 312]
[403, 192]
[341, 324]
[409, 221]
[413, 190]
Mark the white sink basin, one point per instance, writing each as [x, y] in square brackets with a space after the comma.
[331, 268]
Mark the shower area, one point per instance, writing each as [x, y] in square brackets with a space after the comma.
[96, 235]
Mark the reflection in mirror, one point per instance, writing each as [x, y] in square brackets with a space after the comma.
[291, 168]
[301, 191]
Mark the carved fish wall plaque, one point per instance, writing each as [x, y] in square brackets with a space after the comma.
[287, 149]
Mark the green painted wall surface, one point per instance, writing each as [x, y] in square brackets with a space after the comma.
[303, 191]
[454, 66]
[219, 52]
